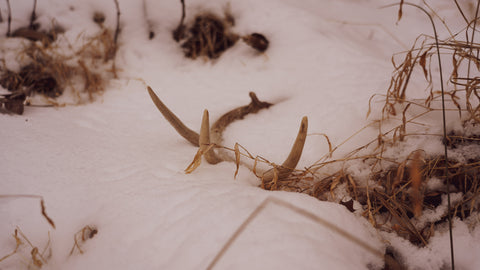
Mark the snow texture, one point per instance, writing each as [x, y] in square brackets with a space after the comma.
[116, 164]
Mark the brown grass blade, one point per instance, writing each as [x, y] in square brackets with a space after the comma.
[44, 213]
[237, 159]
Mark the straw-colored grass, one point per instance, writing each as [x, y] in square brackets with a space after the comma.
[53, 68]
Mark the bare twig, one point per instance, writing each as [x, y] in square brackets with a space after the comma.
[9, 17]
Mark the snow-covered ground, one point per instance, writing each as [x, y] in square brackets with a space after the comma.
[118, 165]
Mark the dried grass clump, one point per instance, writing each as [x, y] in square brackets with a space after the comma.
[54, 69]
[210, 35]
[397, 193]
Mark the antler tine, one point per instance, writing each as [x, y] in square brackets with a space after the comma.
[204, 140]
[292, 160]
[183, 130]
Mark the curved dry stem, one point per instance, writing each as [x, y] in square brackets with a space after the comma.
[183, 130]
[291, 162]
[204, 141]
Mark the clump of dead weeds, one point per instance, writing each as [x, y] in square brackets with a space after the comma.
[51, 66]
[408, 195]
[210, 35]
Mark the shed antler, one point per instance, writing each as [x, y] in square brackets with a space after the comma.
[204, 142]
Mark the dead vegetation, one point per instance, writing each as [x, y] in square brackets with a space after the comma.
[51, 66]
[209, 35]
[23, 245]
[28, 253]
[87, 232]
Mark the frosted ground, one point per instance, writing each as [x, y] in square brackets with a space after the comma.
[116, 164]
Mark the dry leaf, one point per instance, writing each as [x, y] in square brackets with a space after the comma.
[197, 160]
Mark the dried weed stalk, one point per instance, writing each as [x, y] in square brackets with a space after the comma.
[42, 204]
[36, 259]
[80, 237]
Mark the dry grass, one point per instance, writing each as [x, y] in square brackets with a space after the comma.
[210, 35]
[87, 232]
[30, 254]
[23, 245]
[50, 69]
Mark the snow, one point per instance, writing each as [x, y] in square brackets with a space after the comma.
[116, 164]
